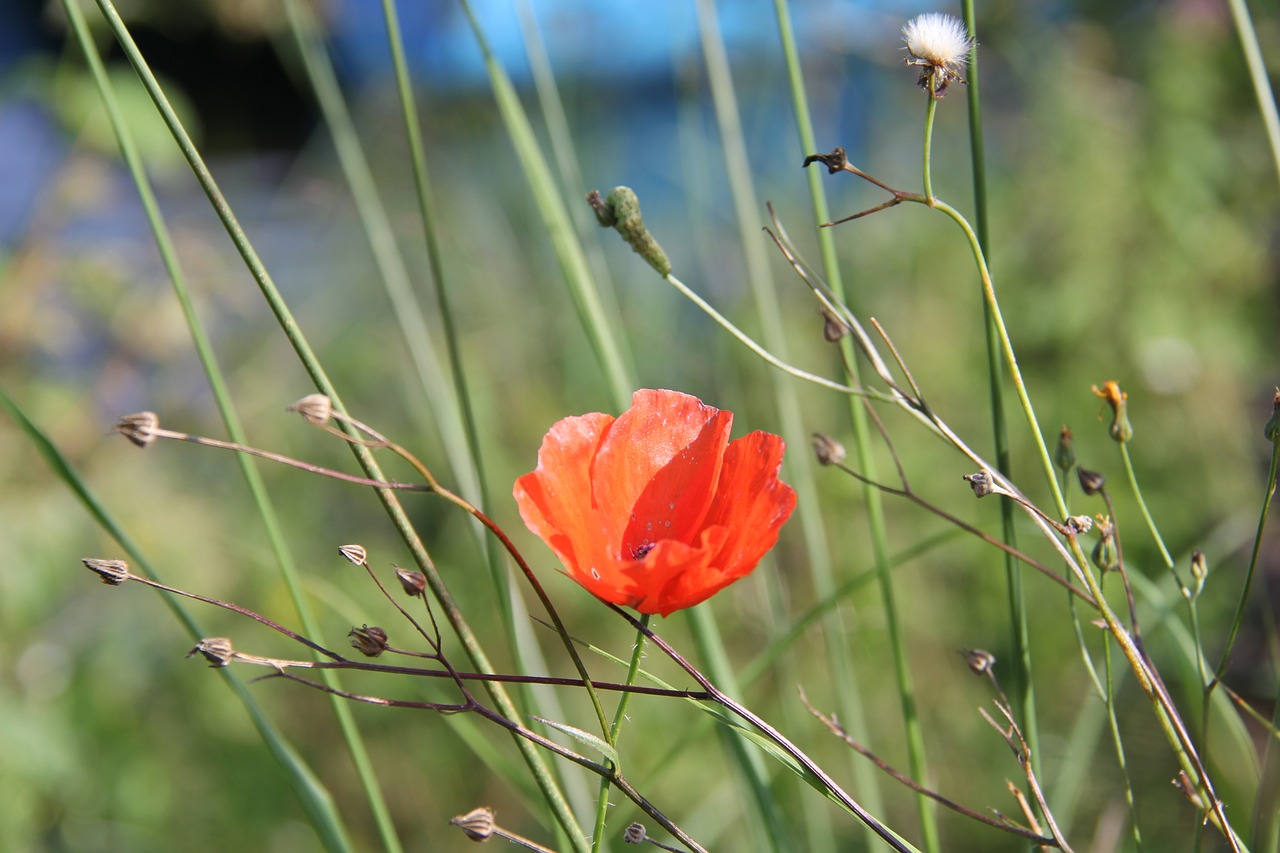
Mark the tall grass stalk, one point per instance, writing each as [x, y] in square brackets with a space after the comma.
[848, 698]
[514, 612]
[235, 429]
[610, 348]
[532, 757]
[1024, 687]
[769, 314]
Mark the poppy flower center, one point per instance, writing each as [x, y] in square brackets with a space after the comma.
[640, 551]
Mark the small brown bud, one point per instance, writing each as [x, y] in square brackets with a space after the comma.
[635, 834]
[354, 554]
[477, 823]
[112, 572]
[1121, 430]
[827, 449]
[370, 640]
[980, 661]
[414, 582]
[216, 650]
[1064, 456]
[139, 428]
[980, 483]
[1090, 481]
[833, 328]
[314, 408]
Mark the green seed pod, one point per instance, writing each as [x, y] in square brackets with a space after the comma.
[1106, 556]
[1064, 456]
[1272, 428]
[621, 210]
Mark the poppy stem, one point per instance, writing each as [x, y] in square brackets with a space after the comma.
[615, 730]
[887, 835]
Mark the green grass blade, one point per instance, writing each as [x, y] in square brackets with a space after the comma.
[609, 348]
[393, 272]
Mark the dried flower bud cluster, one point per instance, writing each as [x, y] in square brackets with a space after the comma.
[354, 554]
[980, 483]
[369, 640]
[827, 449]
[939, 45]
[216, 650]
[414, 582]
[139, 428]
[112, 572]
[1091, 482]
[477, 824]
[980, 662]
[315, 409]
[1078, 524]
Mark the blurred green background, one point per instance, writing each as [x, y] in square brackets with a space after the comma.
[1134, 237]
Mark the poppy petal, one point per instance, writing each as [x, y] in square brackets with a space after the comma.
[675, 502]
[639, 444]
[554, 498]
[751, 502]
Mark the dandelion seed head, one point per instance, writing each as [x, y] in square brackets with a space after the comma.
[940, 45]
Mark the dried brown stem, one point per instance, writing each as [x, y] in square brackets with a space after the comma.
[833, 725]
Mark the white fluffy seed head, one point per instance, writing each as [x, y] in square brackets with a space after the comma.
[938, 40]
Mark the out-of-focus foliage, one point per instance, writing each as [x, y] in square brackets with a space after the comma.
[1134, 236]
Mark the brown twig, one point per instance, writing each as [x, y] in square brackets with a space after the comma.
[833, 725]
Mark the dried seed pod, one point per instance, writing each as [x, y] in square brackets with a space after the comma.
[414, 582]
[478, 823]
[1090, 481]
[139, 428]
[354, 554]
[980, 662]
[980, 483]
[216, 650]
[112, 572]
[314, 408]
[827, 449]
[369, 640]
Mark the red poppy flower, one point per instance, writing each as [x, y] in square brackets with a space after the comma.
[656, 509]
